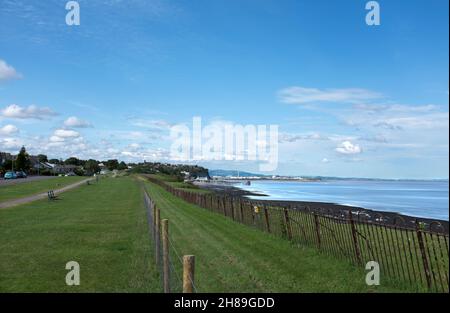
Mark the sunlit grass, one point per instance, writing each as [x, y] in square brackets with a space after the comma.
[102, 226]
[24, 189]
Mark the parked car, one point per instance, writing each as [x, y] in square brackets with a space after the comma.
[10, 175]
[21, 174]
[71, 174]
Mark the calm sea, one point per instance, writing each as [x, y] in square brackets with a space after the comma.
[415, 198]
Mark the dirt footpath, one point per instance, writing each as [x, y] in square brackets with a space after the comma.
[11, 203]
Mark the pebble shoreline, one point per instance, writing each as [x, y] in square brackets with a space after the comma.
[333, 209]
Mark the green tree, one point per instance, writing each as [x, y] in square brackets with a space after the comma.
[5, 167]
[112, 164]
[79, 172]
[23, 160]
[72, 161]
[42, 158]
[54, 161]
[91, 167]
[122, 166]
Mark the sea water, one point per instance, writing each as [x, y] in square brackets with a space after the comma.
[415, 198]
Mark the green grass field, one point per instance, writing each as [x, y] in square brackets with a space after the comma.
[20, 190]
[102, 226]
[231, 257]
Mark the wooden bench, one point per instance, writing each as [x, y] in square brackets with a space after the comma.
[51, 195]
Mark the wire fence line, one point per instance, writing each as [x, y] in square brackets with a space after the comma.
[175, 272]
[414, 252]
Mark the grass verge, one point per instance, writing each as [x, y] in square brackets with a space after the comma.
[181, 185]
[231, 257]
[101, 226]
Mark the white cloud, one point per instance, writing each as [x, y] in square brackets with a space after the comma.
[56, 139]
[134, 146]
[325, 160]
[151, 124]
[397, 117]
[76, 122]
[60, 135]
[347, 147]
[8, 130]
[398, 108]
[286, 137]
[66, 133]
[302, 95]
[158, 154]
[8, 72]
[134, 135]
[10, 144]
[31, 112]
[429, 121]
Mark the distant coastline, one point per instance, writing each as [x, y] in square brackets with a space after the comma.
[394, 218]
[229, 175]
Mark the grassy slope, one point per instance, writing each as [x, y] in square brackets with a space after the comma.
[21, 190]
[231, 257]
[102, 226]
[172, 181]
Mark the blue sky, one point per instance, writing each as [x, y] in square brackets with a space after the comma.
[349, 99]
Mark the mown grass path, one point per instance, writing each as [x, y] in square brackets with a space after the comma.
[101, 226]
[44, 195]
[31, 188]
[231, 257]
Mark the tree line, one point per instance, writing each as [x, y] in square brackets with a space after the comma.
[27, 163]
[179, 171]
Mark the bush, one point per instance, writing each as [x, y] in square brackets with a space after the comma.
[79, 172]
[46, 172]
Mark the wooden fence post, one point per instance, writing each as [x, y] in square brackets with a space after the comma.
[154, 223]
[266, 215]
[165, 246]
[355, 238]
[252, 209]
[157, 236]
[288, 224]
[188, 273]
[232, 208]
[424, 254]
[316, 222]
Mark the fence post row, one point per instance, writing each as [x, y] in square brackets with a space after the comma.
[350, 238]
[161, 233]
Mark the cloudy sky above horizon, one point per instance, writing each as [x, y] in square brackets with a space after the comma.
[349, 99]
